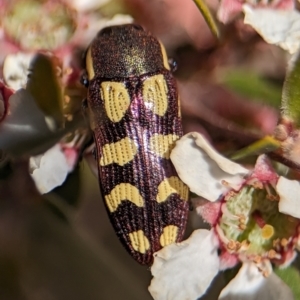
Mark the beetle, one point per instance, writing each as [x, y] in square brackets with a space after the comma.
[134, 112]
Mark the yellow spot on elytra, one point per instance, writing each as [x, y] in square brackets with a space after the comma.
[139, 241]
[116, 99]
[165, 56]
[155, 94]
[122, 192]
[179, 107]
[267, 231]
[169, 235]
[162, 144]
[170, 186]
[89, 64]
[120, 152]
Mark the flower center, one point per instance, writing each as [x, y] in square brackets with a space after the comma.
[39, 25]
[251, 225]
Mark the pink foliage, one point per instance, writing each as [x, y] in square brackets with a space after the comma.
[209, 211]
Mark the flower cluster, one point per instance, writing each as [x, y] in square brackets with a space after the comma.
[39, 43]
[254, 220]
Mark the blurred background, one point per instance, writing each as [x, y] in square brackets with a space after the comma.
[61, 245]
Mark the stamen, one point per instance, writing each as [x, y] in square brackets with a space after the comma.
[272, 254]
[255, 183]
[233, 245]
[270, 195]
[257, 259]
[265, 273]
[244, 245]
[228, 214]
[229, 195]
[242, 227]
[241, 219]
[258, 185]
[235, 187]
[284, 242]
[292, 220]
[276, 243]
[265, 267]
[234, 226]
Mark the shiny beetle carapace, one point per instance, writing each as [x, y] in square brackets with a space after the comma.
[135, 117]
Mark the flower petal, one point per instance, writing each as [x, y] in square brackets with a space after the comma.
[185, 270]
[87, 4]
[16, 69]
[279, 27]
[288, 191]
[249, 284]
[50, 169]
[202, 168]
[24, 126]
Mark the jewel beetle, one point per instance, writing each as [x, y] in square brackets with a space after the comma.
[134, 113]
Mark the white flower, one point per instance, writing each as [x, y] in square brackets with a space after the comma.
[87, 4]
[254, 221]
[16, 68]
[50, 169]
[174, 278]
[279, 27]
[249, 284]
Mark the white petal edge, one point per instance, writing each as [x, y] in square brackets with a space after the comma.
[185, 270]
[249, 284]
[288, 191]
[87, 4]
[15, 69]
[50, 169]
[202, 168]
[279, 27]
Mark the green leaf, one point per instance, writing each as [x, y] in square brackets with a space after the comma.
[251, 85]
[208, 17]
[265, 145]
[291, 92]
[44, 86]
[291, 277]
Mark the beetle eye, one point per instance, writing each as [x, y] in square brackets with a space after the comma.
[84, 79]
[173, 64]
[137, 27]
